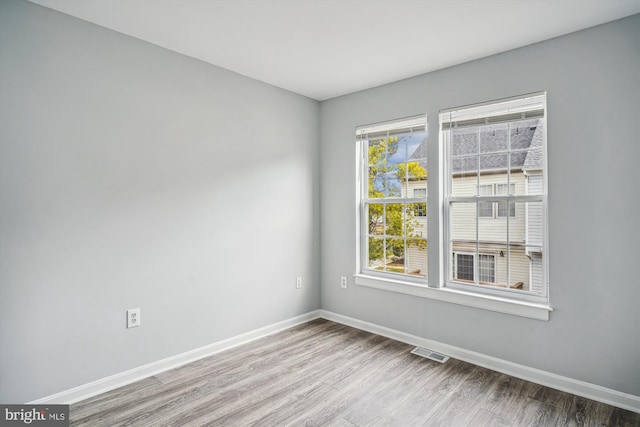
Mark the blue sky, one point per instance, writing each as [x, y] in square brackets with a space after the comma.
[407, 145]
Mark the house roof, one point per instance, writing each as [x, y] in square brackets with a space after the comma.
[421, 151]
[420, 155]
[525, 138]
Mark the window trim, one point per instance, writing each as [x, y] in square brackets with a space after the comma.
[530, 310]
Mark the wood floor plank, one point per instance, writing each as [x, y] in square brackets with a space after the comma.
[387, 391]
[450, 376]
[329, 412]
[296, 406]
[483, 417]
[108, 400]
[456, 411]
[479, 382]
[323, 373]
[537, 413]
[623, 418]
[508, 395]
[415, 410]
[339, 423]
[272, 394]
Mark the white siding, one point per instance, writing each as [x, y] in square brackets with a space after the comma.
[417, 261]
[492, 232]
[537, 283]
[519, 261]
[489, 229]
[417, 257]
[534, 212]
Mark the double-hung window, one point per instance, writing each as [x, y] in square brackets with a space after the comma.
[393, 199]
[494, 170]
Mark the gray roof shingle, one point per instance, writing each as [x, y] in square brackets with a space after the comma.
[491, 141]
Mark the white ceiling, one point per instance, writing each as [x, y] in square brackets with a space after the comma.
[327, 48]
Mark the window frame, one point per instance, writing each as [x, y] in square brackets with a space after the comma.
[448, 282]
[363, 201]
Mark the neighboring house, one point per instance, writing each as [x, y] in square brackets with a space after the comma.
[496, 223]
[494, 243]
[417, 256]
[417, 187]
[509, 237]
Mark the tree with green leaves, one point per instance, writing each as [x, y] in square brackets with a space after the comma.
[391, 219]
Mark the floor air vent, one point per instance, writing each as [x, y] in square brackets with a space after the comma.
[425, 352]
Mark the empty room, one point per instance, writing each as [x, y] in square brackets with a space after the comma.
[319, 212]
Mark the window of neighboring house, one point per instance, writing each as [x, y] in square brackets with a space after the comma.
[502, 189]
[486, 268]
[393, 204]
[496, 209]
[494, 166]
[485, 209]
[420, 208]
[464, 267]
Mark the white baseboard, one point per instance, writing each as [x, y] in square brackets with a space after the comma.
[569, 385]
[580, 388]
[112, 382]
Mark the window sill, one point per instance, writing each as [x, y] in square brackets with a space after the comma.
[454, 296]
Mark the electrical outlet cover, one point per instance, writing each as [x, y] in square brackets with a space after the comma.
[133, 318]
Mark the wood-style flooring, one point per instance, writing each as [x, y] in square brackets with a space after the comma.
[325, 374]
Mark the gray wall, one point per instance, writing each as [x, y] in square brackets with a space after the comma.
[131, 176]
[593, 83]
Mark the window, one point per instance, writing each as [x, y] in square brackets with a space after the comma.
[494, 169]
[487, 269]
[501, 189]
[496, 209]
[485, 209]
[420, 193]
[393, 204]
[492, 199]
[420, 208]
[464, 268]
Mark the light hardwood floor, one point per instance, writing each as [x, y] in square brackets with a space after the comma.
[326, 374]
